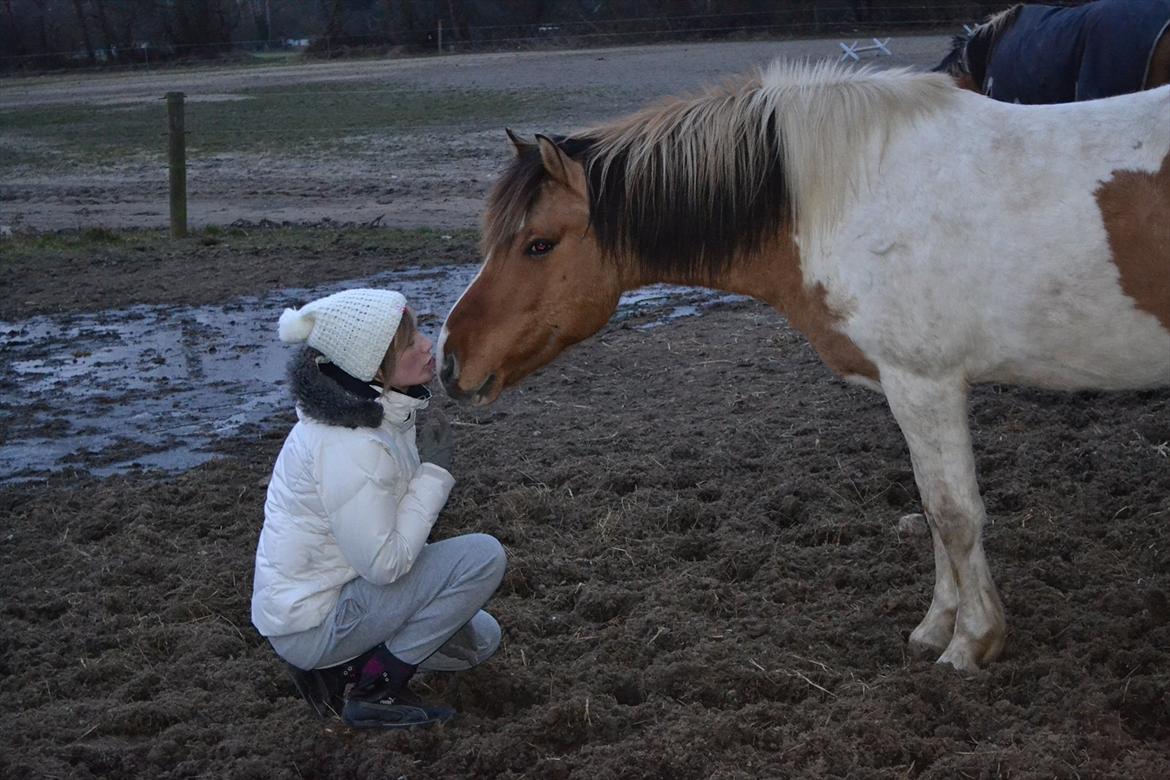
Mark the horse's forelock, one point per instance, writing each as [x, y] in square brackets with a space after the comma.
[517, 190]
[510, 199]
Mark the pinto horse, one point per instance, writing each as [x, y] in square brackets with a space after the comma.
[921, 237]
[1059, 54]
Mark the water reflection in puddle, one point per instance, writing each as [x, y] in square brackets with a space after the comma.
[155, 386]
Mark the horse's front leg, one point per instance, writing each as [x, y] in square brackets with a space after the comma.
[932, 414]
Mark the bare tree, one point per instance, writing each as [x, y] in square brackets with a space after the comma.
[203, 27]
[261, 14]
[335, 22]
[407, 20]
[43, 25]
[81, 22]
[460, 30]
[104, 25]
[11, 35]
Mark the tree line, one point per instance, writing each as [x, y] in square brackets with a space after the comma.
[78, 33]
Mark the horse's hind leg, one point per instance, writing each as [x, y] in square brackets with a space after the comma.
[932, 414]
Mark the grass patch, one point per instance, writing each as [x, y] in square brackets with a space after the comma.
[124, 246]
[98, 269]
[48, 247]
[311, 119]
[274, 58]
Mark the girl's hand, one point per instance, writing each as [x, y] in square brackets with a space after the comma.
[435, 441]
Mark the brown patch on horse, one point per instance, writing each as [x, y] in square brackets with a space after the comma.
[1158, 71]
[809, 312]
[1136, 209]
[774, 276]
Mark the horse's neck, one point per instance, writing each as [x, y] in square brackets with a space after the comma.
[772, 274]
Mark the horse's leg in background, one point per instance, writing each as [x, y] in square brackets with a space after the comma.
[1158, 72]
[932, 414]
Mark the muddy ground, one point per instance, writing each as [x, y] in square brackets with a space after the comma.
[707, 574]
[706, 579]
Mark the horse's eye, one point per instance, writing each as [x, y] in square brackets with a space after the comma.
[539, 248]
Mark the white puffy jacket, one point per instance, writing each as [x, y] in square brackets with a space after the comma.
[343, 502]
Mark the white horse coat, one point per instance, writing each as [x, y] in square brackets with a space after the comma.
[1020, 287]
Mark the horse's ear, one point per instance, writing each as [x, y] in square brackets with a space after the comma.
[518, 143]
[560, 166]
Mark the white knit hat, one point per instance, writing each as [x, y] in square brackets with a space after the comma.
[352, 328]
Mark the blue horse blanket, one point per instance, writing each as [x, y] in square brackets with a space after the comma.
[1056, 54]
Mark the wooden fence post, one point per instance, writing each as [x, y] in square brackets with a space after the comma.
[440, 36]
[177, 156]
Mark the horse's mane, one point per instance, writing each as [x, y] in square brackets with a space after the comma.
[1000, 19]
[686, 186]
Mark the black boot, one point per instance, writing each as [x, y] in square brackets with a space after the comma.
[382, 700]
[324, 689]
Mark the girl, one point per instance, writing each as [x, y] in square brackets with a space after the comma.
[346, 588]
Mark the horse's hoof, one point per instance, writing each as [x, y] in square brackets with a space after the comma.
[921, 649]
[962, 662]
[931, 638]
[969, 655]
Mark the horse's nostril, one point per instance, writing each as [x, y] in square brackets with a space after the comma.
[447, 373]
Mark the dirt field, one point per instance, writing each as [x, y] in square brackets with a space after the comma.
[707, 574]
[94, 146]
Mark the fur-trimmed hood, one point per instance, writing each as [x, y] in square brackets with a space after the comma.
[325, 393]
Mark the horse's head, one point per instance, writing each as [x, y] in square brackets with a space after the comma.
[544, 285]
[970, 54]
[966, 62]
[954, 64]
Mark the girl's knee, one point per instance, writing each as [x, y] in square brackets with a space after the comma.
[490, 553]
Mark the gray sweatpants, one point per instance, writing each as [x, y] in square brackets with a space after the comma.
[430, 616]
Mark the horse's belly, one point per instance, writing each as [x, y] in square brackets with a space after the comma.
[1075, 359]
[1140, 361]
[1079, 321]
[1012, 324]
[1094, 338]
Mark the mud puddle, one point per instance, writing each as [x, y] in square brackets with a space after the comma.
[157, 386]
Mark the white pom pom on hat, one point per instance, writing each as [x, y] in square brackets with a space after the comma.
[353, 328]
[295, 325]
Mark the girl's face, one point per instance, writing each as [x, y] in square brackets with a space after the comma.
[415, 365]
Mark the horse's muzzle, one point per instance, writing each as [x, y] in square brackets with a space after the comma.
[449, 376]
[449, 373]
